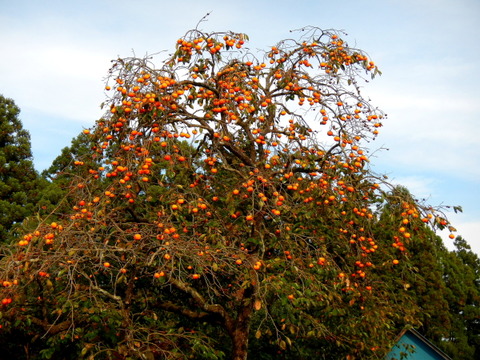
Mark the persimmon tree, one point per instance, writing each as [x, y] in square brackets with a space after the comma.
[227, 199]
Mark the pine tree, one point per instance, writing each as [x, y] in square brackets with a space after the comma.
[439, 289]
[63, 170]
[461, 269]
[18, 178]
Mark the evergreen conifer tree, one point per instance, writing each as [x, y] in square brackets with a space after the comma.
[18, 178]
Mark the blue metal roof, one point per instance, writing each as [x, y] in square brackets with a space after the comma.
[413, 346]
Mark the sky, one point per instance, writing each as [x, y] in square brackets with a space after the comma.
[56, 54]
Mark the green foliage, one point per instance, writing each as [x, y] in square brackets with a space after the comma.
[441, 287]
[461, 274]
[65, 170]
[19, 182]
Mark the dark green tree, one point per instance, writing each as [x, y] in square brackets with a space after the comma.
[19, 182]
[66, 164]
[461, 274]
[438, 288]
[416, 250]
[65, 169]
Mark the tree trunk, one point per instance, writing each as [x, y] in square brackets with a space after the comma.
[240, 342]
[240, 328]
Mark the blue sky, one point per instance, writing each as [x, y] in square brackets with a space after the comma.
[55, 55]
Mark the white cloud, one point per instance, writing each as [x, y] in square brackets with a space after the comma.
[53, 75]
[429, 128]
